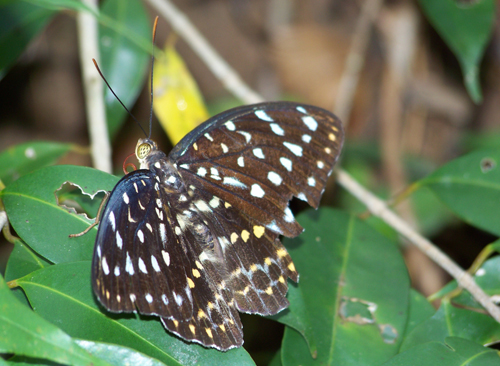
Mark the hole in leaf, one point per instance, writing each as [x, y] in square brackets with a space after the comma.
[357, 311]
[488, 164]
[75, 200]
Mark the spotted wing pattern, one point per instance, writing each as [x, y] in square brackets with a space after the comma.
[194, 237]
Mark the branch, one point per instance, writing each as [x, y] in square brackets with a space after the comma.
[93, 89]
[220, 68]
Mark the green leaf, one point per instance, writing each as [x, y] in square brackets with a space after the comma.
[62, 294]
[466, 28]
[355, 289]
[20, 22]
[123, 62]
[76, 5]
[456, 352]
[450, 321]
[420, 311]
[117, 355]
[45, 226]
[19, 160]
[470, 187]
[22, 332]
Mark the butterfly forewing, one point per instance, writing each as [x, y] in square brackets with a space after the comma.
[195, 237]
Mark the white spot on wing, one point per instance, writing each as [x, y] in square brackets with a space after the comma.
[117, 271]
[184, 166]
[164, 299]
[263, 116]
[241, 161]
[202, 206]
[99, 251]
[287, 163]
[233, 182]
[289, 215]
[119, 240]
[178, 298]
[306, 138]
[149, 298]
[257, 191]
[310, 123]
[142, 266]
[302, 196]
[140, 235]
[166, 257]
[230, 125]
[320, 164]
[247, 136]
[128, 266]
[112, 220]
[171, 179]
[311, 181]
[105, 267]
[296, 149]
[201, 171]
[209, 137]
[275, 178]
[157, 164]
[224, 147]
[163, 233]
[277, 129]
[155, 264]
[301, 109]
[214, 202]
[258, 153]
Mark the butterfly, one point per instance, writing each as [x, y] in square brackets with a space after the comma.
[193, 237]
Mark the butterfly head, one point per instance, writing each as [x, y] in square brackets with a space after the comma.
[147, 152]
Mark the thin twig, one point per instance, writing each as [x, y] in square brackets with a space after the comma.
[220, 68]
[93, 89]
[355, 59]
[375, 205]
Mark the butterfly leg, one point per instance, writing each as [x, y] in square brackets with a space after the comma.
[97, 218]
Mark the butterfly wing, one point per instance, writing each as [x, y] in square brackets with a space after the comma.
[143, 263]
[246, 164]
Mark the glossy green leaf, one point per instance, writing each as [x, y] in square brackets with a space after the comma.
[76, 5]
[470, 187]
[420, 311]
[22, 332]
[22, 261]
[355, 288]
[44, 225]
[117, 355]
[20, 22]
[123, 62]
[62, 294]
[456, 352]
[21, 159]
[450, 321]
[466, 27]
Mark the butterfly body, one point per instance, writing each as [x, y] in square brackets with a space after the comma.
[193, 237]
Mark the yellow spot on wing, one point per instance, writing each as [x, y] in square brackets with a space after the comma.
[227, 204]
[196, 273]
[332, 137]
[291, 267]
[201, 313]
[195, 146]
[234, 237]
[176, 323]
[282, 253]
[192, 328]
[209, 332]
[222, 327]
[210, 305]
[268, 261]
[253, 268]
[198, 264]
[269, 290]
[245, 235]
[258, 231]
[190, 282]
[281, 279]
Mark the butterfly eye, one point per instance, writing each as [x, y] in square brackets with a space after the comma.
[143, 150]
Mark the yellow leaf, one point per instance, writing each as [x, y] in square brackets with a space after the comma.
[177, 102]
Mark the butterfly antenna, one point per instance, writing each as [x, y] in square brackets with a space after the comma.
[152, 67]
[116, 96]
